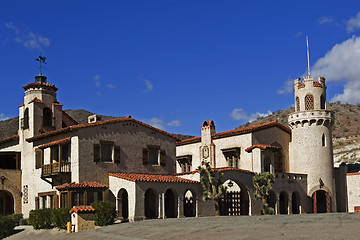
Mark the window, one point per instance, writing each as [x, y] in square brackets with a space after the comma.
[55, 153]
[47, 117]
[232, 156]
[153, 155]
[233, 161]
[278, 159]
[65, 153]
[323, 140]
[77, 198]
[39, 158]
[106, 151]
[185, 162]
[25, 120]
[267, 164]
[309, 102]
[94, 197]
[322, 102]
[46, 200]
[297, 101]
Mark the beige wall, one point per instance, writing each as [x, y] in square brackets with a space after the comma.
[353, 190]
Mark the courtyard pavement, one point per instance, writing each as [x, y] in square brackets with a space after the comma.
[305, 226]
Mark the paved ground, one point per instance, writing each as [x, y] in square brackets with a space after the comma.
[319, 226]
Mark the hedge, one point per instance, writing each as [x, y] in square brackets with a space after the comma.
[60, 217]
[105, 213]
[7, 225]
[41, 218]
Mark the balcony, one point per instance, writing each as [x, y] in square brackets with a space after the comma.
[55, 169]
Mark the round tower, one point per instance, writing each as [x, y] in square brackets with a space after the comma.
[311, 149]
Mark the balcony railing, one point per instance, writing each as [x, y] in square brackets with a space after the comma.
[55, 168]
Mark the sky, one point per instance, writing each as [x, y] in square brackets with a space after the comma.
[175, 63]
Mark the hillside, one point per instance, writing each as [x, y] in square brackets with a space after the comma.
[346, 130]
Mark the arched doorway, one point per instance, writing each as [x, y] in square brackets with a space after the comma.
[321, 202]
[236, 199]
[295, 203]
[189, 204]
[6, 203]
[170, 204]
[151, 202]
[271, 200]
[123, 204]
[283, 202]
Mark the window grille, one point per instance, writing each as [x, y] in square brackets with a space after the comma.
[309, 102]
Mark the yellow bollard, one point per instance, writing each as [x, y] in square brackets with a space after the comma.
[68, 227]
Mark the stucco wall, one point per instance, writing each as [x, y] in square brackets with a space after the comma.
[353, 190]
[12, 184]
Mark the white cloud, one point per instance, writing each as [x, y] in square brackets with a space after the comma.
[353, 23]
[97, 80]
[27, 38]
[149, 86]
[156, 122]
[324, 20]
[175, 123]
[112, 86]
[287, 88]
[239, 114]
[2, 117]
[341, 64]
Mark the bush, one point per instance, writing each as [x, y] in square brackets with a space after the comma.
[60, 217]
[105, 213]
[7, 224]
[16, 218]
[40, 218]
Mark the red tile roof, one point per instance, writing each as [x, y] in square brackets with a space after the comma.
[301, 85]
[238, 131]
[317, 84]
[74, 185]
[40, 85]
[21, 105]
[355, 173]
[82, 208]
[9, 139]
[262, 147]
[36, 100]
[223, 169]
[58, 142]
[94, 124]
[139, 177]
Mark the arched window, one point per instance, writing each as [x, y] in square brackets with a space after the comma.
[297, 101]
[323, 140]
[26, 119]
[267, 164]
[322, 102]
[47, 117]
[309, 102]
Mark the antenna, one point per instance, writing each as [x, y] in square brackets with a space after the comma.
[308, 55]
[41, 59]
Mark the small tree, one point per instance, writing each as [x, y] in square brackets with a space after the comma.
[213, 187]
[263, 184]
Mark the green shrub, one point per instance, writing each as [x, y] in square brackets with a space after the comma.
[105, 213]
[40, 218]
[60, 217]
[16, 218]
[7, 225]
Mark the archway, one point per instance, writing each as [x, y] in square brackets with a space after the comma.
[6, 203]
[170, 204]
[271, 200]
[151, 202]
[123, 204]
[236, 199]
[189, 204]
[283, 202]
[321, 202]
[295, 203]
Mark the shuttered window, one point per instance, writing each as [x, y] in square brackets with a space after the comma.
[162, 158]
[96, 152]
[145, 156]
[117, 154]
[38, 158]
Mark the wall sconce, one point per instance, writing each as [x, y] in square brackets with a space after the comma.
[3, 179]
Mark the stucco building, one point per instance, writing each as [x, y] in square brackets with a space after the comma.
[54, 161]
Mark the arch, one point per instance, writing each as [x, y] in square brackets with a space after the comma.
[271, 200]
[6, 203]
[151, 204]
[283, 202]
[236, 199]
[47, 117]
[267, 164]
[189, 204]
[26, 119]
[309, 102]
[295, 203]
[323, 140]
[297, 104]
[170, 204]
[321, 201]
[123, 204]
[322, 101]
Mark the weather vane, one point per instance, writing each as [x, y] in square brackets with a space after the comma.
[41, 59]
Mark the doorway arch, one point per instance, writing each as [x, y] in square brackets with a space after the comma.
[295, 203]
[271, 200]
[6, 203]
[236, 199]
[283, 202]
[123, 204]
[170, 204]
[321, 201]
[151, 203]
[189, 204]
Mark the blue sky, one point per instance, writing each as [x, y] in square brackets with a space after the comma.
[174, 64]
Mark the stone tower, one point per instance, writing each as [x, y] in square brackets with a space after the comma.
[207, 149]
[311, 149]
